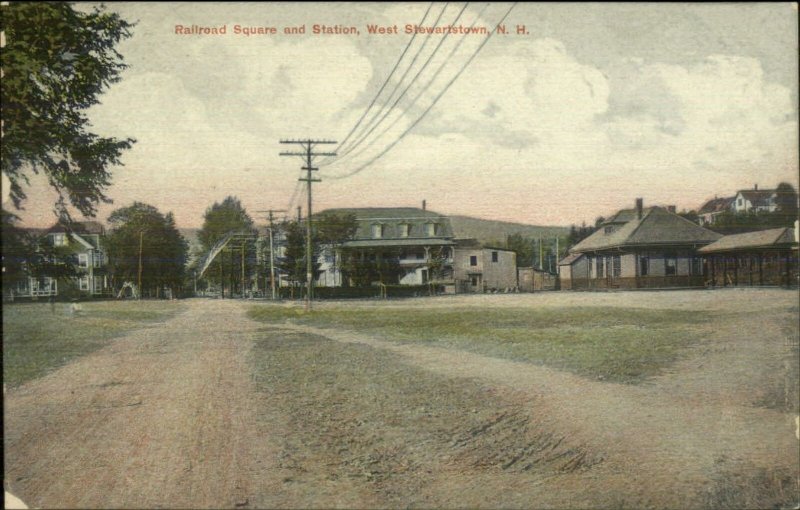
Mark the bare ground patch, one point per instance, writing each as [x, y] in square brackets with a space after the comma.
[370, 429]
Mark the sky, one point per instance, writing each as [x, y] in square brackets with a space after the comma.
[585, 109]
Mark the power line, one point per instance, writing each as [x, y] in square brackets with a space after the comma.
[435, 100]
[425, 87]
[296, 191]
[386, 82]
[369, 126]
[408, 87]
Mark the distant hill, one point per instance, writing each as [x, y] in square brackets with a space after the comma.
[485, 231]
[492, 231]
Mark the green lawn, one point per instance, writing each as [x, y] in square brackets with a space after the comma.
[38, 338]
[615, 344]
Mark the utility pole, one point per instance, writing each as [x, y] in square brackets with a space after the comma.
[243, 243]
[221, 276]
[558, 255]
[309, 155]
[541, 254]
[271, 250]
[141, 237]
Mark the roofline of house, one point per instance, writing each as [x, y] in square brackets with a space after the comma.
[643, 245]
[404, 218]
[779, 246]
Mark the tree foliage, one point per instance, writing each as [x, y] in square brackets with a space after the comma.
[786, 201]
[362, 269]
[578, 234]
[163, 250]
[223, 218]
[293, 262]
[530, 250]
[334, 229]
[16, 246]
[219, 220]
[25, 254]
[56, 62]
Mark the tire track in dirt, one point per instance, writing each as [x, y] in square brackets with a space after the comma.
[660, 449]
[163, 417]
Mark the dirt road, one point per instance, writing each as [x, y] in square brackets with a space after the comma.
[184, 414]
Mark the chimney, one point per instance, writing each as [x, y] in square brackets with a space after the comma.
[639, 207]
[671, 208]
[423, 205]
[755, 187]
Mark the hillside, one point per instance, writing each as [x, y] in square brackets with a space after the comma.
[485, 231]
[492, 231]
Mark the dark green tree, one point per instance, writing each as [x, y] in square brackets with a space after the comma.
[223, 218]
[331, 231]
[293, 262]
[523, 247]
[27, 255]
[786, 202]
[334, 229]
[56, 62]
[164, 251]
[578, 234]
[689, 215]
[16, 251]
[219, 220]
[364, 269]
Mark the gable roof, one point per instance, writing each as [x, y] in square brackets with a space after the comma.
[772, 238]
[569, 259]
[79, 227]
[756, 197]
[716, 205]
[657, 227]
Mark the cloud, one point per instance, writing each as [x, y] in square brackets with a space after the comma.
[530, 131]
[536, 126]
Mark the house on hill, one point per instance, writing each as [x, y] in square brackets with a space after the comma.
[766, 257]
[638, 248]
[421, 247]
[755, 200]
[84, 247]
[708, 213]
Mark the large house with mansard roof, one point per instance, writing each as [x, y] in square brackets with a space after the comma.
[425, 247]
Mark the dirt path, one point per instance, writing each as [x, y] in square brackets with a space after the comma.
[162, 417]
[211, 409]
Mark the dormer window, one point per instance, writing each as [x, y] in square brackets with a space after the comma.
[59, 239]
[405, 229]
[609, 229]
[431, 229]
[377, 230]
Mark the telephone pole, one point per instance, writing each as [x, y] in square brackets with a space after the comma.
[141, 237]
[271, 250]
[242, 284]
[308, 154]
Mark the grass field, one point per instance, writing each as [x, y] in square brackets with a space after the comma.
[39, 337]
[609, 343]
